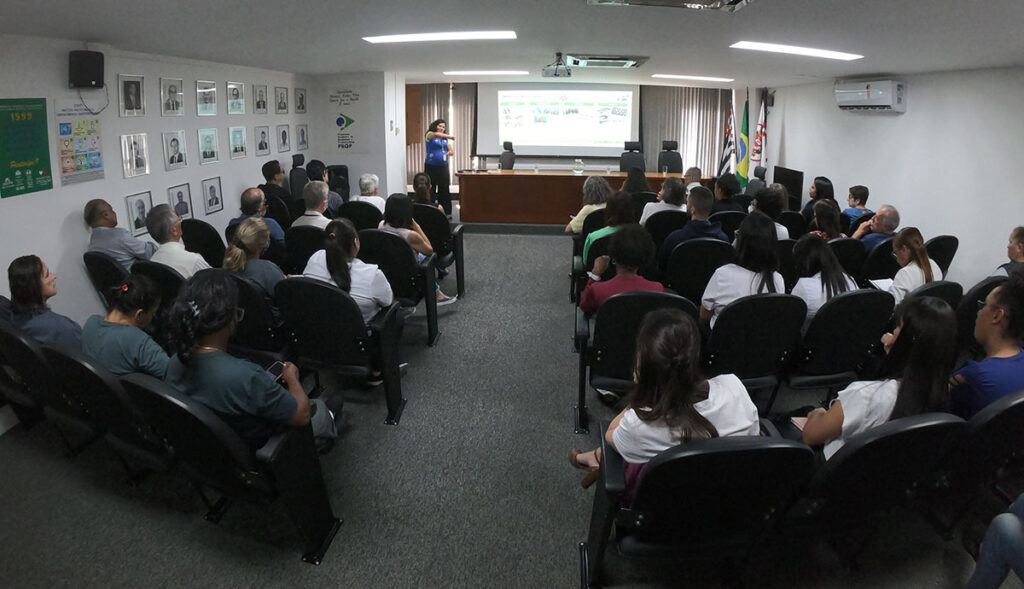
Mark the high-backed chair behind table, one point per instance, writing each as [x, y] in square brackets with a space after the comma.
[169, 281]
[446, 240]
[297, 177]
[328, 333]
[301, 243]
[286, 469]
[951, 292]
[104, 273]
[851, 254]
[879, 263]
[660, 224]
[200, 237]
[632, 157]
[942, 248]
[693, 263]
[507, 159]
[967, 315]
[362, 214]
[411, 281]
[794, 222]
[730, 220]
[669, 159]
[260, 337]
[756, 182]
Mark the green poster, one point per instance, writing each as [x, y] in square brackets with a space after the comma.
[24, 147]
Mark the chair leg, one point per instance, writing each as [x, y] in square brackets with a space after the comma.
[392, 384]
[430, 300]
[215, 511]
[601, 519]
[580, 410]
[460, 273]
[75, 450]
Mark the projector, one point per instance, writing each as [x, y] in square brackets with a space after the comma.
[557, 71]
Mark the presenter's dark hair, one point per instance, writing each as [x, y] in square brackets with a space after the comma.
[823, 188]
[135, 293]
[859, 194]
[631, 246]
[339, 241]
[433, 126]
[398, 211]
[813, 255]
[618, 210]
[271, 169]
[756, 249]
[205, 305]
[636, 181]
[728, 184]
[25, 278]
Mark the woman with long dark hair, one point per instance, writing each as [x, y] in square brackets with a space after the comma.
[636, 181]
[820, 189]
[912, 380]
[398, 219]
[337, 264]
[821, 275]
[32, 285]
[421, 187]
[827, 219]
[439, 152]
[118, 341]
[916, 268]
[671, 402]
[753, 272]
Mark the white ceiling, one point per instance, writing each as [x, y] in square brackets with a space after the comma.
[317, 36]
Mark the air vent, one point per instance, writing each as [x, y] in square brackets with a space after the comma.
[618, 62]
[724, 5]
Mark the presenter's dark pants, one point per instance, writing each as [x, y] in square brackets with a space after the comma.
[439, 186]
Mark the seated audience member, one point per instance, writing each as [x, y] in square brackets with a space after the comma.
[726, 188]
[699, 205]
[912, 379]
[821, 275]
[253, 205]
[691, 178]
[243, 394]
[118, 341]
[1000, 330]
[369, 190]
[315, 196]
[32, 284]
[631, 248]
[398, 220]
[596, 191]
[671, 403]
[671, 198]
[1002, 549]
[108, 238]
[337, 264]
[827, 220]
[317, 170]
[753, 272]
[772, 201]
[273, 187]
[165, 227]
[858, 201]
[879, 228]
[917, 268]
[242, 256]
[1014, 251]
[820, 189]
[618, 211]
[636, 181]
[5, 309]
[421, 190]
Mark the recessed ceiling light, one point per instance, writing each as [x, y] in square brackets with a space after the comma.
[488, 73]
[793, 50]
[697, 78]
[451, 36]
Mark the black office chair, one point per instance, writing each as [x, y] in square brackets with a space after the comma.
[692, 264]
[335, 170]
[104, 273]
[212, 456]
[756, 182]
[794, 222]
[660, 224]
[787, 262]
[447, 241]
[632, 157]
[26, 394]
[362, 214]
[850, 253]
[297, 177]
[296, 209]
[328, 333]
[669, 158]
[5, 309]
[967, 315]
[879, 263]
[278, 211]
[507, 160]
[856, 223]
[592, 222]
[942, 248]
[200, 237]
[951, 292]
[170, 282]
[300, 243]
[730, 221]
[844, 223]
[260, 337]
[640, 200]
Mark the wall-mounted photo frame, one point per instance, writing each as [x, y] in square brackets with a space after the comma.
[280, 100]
[284, 139]
[236, 136]
[209, 146]
[180, 199]
[134, 155]
[174, 150]
[206, 98]
[301, 137]
[213, 199]
[259, 99]
[131, 97]
[300, 101]
[262, 137]
[138, 206]
[172, 95]
[236, 98]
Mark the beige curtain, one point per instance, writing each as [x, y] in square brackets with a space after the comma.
[433, 105]
[695, 117]
[463, 114]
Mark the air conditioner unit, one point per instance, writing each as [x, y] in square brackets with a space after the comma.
[874, 95]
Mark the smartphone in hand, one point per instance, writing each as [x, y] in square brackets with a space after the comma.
[275, 370]
[799, 422]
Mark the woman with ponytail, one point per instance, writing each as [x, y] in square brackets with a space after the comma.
[337, 264]
[917, 268]
[671, 402]
[242, 257]
[118, 341]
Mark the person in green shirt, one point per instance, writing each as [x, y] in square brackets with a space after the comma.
[118, 341]
[618, 211]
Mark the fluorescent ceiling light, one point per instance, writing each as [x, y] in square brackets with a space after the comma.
[488, 73]
[452, 36]
[697, 78]
[793, 50]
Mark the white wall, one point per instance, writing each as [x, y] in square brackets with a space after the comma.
[948, 164]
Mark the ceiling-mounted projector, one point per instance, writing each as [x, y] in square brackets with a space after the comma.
[557, 69]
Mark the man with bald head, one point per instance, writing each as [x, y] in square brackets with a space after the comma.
[108, 238]
[253, 203]
[879, 228]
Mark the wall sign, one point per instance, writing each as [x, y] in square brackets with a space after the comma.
[78, 142]
[24, 147]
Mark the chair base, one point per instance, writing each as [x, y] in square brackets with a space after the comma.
[585, 580]
[395, 415]
[582, 420]
[315, 557]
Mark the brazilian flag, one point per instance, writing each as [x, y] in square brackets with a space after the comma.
[743, 155]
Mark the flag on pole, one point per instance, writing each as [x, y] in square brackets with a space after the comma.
[757, 156]
[742, 154]
[729, 148]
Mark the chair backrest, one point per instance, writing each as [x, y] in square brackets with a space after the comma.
[302, 242]
[730, 221]
[362, 214]
[436, 226]
[632, 157]
[297, 180]
[592, 222]
[843, 330]
[794, 222]
[200, 237]
[22, 358]
[326, 325]
[692, 264]
[104, 273]
[168, 280]
[5, 308]
[719, 491]
[278, 211]
[670, 162]
[660, 224]
[942, 248]
[787, 262]
[755, 336]
[844, 223]
[994, 440]
[856, 223]
[599, 247]
[640, 200]
[879, 262]
[259, 330]
[616, 324]
[951, 292]
[296, 208]
[396, 259]
[507, 160]
[967, 310]
[851, 254]
[337, 170]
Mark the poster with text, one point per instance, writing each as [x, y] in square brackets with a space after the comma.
[24, 147]
[347, 108]
[78, 142]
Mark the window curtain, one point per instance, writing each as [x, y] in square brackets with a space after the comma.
[463, 118]
[433, 105]
[695, 117]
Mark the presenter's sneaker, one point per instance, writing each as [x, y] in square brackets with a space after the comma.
[443, 299]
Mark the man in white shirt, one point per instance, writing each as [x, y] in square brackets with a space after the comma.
[108, 238]
[164, 226]
[315, 196]
[691, 178]
[369, 188]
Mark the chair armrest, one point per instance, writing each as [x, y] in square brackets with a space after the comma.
[577, 266]
[613, 469]
[427, 263]
[457, 231]
[275, 446]
[768, 428]
[384, 325]
[582, 335]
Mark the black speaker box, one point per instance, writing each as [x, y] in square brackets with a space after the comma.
[85, 69]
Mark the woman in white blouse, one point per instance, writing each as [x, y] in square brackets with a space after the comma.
[917, 269]
[671, 198]
[821, 275]
[337, 264]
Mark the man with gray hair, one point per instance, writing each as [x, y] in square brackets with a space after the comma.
[315, 196]
[164, 226]
[108, 238]
[369, 188]
[881, 227]
[691, 178]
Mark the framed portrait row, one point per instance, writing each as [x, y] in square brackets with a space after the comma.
[131, 97]
[179, 198]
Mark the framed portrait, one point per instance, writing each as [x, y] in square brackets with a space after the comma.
[284, 140]
[138, 206]
[213, 199]
[301, 138]
[237, 137]
[300, 101]
[280, 100]
[259, 99]
[174, 150]
[134, 155]
[209, 146]
[180, 199]
[262, 135]
[206, 98]
[130, 95]
[172, 94]
[236, 98]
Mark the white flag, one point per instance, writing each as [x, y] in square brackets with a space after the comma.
[757, 155]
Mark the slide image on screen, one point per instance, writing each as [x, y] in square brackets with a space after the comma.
[565, 118]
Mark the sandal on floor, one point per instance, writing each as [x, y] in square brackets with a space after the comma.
[592, 471]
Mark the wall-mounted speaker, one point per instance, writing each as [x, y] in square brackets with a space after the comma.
[85, 69]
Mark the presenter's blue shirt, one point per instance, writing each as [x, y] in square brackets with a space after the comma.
[437, 152]
[981, 383]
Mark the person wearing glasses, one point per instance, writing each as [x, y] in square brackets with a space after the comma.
[879, 228]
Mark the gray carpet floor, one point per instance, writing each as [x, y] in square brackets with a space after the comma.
[472, 489]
